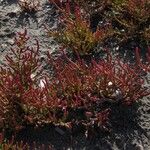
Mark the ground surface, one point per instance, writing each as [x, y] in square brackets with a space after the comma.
[132, 129]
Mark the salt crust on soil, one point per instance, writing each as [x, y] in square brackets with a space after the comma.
[132, 133]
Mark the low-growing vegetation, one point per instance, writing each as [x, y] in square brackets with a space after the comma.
[81, 87]
[74, 93]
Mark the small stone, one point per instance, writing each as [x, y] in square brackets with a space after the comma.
[10, 41]
[16, 10]
[60, 131]
[3, 46]
[139, 147]
[32, 75]
[117, 48]
[110, 83]
[42, 83]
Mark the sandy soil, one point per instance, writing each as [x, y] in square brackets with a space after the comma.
[130, 131]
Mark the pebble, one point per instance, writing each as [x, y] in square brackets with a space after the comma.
[10, 41]
[60, 131]
[3, 46]
[16, 10]
[139, 147]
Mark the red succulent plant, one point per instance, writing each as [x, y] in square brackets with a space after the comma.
[74, 91]
[15, 79]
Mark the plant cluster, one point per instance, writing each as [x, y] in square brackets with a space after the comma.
[77, 34]
[12, 145]
[133, 17]
[15, 79]
[129, 20]
[95, 6]
[75, 92]
[24, 101]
